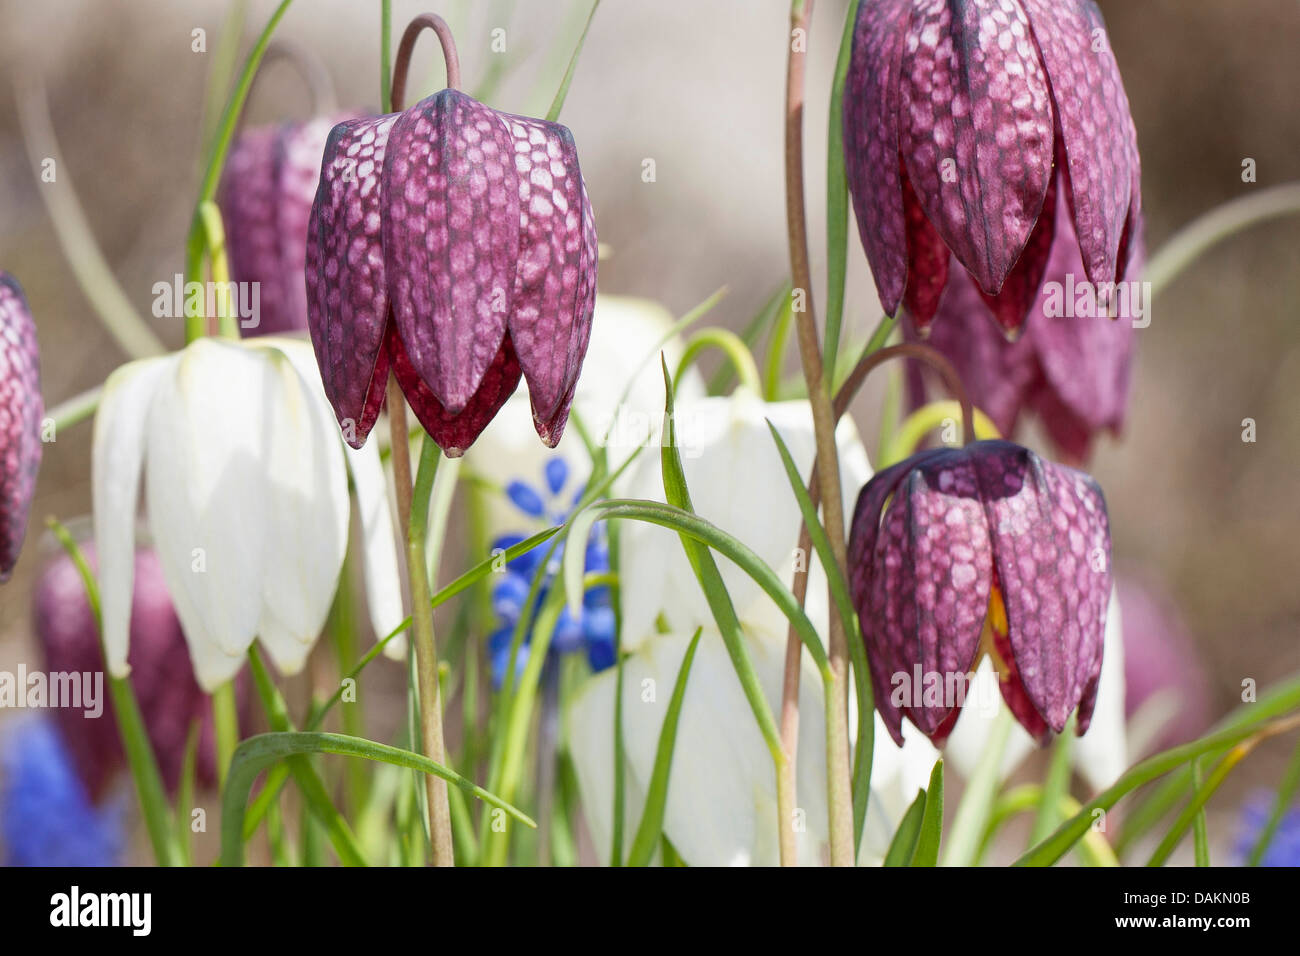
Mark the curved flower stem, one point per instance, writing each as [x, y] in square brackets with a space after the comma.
[402, 64]
[924, 420]
[732, 346]
[214, 235]
[76, 409]
[1216, 225]
[320, 88]
[839, 789]
[413, 512]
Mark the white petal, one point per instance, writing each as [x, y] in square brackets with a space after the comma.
[721, 808]
[308, 509]
[117, 454]
[737, 481]
[379, 539]
[207, 497]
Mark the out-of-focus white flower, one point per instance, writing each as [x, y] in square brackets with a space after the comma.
[721, 808]
[737, 481]
[627, 335]
[1100, 755]
[246, 493]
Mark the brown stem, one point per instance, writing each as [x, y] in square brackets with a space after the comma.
[308, 66]
[839, 787]
[402, 64]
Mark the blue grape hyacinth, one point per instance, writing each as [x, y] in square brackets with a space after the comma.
[46, 816]
[1284, 848]
[591, 630]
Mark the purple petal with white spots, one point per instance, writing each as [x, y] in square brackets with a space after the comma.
[555, 284]
[976, 129]
[1096, 127]
[347, 290]
[1051, 548]
[21, 411]
[871, 159]
[451, 231]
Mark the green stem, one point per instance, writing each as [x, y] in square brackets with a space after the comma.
[70, 411]
[225, 719]
[1281, 803]
[1056, 785]
[837, 195]
[962, 845]
[214, 238]
[386, 55]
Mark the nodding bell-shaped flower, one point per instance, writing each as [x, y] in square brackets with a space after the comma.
[1072, 370]
[454, 245]
[982, 550]
[266, 193]
[956, 113]
[170, 699]
[246, 492]
[21, 410]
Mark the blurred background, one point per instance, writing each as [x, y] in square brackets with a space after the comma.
[697, 87]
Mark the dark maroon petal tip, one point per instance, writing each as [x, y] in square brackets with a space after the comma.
[346, 287]
[976, 129]
[456, 431]
[451, 230]
[21, 411]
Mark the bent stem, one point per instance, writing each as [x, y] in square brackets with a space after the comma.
[413, 511]
[839, 789]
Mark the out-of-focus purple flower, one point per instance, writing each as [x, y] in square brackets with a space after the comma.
[1072, 370]
[1162, 671]
[46, 815]
[455, 245]
[161, 673]
[956, 112]
[266, 192]
[21, 410]
[1284, 848]
[981, 550]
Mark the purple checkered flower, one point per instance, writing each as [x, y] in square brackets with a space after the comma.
[956, 113]
[455, 245]
[987, 549]
[21, 410]
[266, 194]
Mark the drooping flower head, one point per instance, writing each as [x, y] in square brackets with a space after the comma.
[956, 113]
[987, 549]
[170, 699]
[1073, 371]
[21, 410]
[455, 245]
[266, 194]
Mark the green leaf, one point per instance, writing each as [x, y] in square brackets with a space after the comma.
[1286, 792]
[553, 114]
[652, 818]
[931, 829]
[903, 845]
[1200, 832]
[256, 754]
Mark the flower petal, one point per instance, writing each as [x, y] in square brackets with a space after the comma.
[21, 411]
[1051, 549]
[451, 228]
[555, 283]
[871, 160]
[117, 454]
[976, 129]
[347, 292]
[208, 499]
[1096, 127]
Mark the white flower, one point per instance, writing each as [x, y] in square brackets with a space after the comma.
[627, 336]
[721, 808]
[1100, 755]
[736, 480]
[247, 499]
[722, 792]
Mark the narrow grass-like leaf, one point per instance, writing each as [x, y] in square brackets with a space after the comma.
[1286, 792]
[652, 818]
[903, 845]
[553, 114]
[931, 830]
[256, 754]
[837, 196]
[723, 378]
